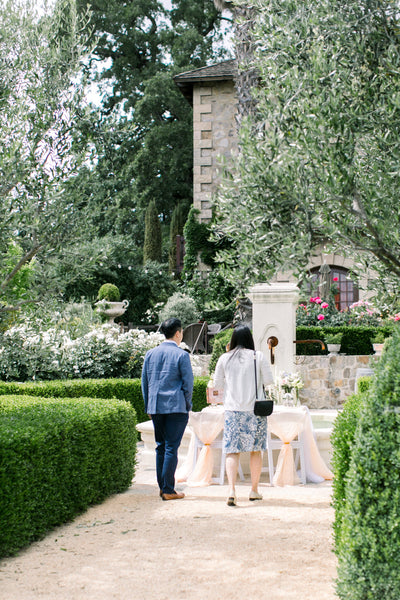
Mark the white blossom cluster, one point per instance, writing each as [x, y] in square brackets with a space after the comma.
[28, 353]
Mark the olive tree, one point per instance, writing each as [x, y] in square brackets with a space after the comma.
[39, 106]
[319, 156]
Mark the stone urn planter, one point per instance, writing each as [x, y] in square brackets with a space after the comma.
[378, 348]
[333, 348]
[112, 310]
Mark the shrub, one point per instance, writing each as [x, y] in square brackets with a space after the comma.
[122, 389]
[58, 457]
[342, 439]
[199, 399]
[364, 383]
[28, 353]
[369, 550]
[333, 338]
[152, 234]
[355, 340]
[181, 306]
[110, 292]
[219, 347]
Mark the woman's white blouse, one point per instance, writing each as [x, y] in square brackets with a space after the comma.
[234, 374]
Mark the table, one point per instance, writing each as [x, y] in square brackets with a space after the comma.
[206, 425]
[286, 423]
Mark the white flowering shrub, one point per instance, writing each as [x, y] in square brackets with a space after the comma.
[27, 353]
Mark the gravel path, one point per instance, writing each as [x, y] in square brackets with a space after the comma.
[135, 546]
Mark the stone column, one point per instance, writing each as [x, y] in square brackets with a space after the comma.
[274, 314]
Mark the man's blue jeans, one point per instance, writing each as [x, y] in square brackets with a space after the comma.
[168, 432]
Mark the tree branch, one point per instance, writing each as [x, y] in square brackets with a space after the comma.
[20, 264]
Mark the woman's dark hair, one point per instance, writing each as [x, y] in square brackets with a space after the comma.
[170, 327]
[241, 338]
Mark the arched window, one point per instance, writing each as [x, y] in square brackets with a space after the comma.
[338, 276]
[347, 289]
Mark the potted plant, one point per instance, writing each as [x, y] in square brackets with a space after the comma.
[109, 304]
[377, 342]
[333, 341]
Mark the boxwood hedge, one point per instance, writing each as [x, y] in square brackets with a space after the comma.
[122, 389]
[58, 456]
[369, 549]
[342, 440]
[355, 340]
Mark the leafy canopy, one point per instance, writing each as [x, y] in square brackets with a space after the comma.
[319, 161]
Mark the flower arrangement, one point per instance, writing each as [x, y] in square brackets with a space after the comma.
[286, 388]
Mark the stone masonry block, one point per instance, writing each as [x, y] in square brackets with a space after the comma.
[202, 126]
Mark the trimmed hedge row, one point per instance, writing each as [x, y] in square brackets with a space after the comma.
[355, 340]
[342, 440]
[122, 389]
[58, 456]
[369, 549]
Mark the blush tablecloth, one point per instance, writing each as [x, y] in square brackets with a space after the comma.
[285, 423]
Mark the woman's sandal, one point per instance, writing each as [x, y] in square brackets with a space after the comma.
[231, 501]
[255, 496]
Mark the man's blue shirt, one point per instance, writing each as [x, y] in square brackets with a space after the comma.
[167, 380]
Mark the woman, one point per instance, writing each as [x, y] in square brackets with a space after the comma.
[243, 430]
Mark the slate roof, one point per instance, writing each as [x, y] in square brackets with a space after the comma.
[222, 71]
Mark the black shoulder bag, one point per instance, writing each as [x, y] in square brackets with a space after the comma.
[262, 408]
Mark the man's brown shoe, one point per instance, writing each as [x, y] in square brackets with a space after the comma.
[173, 496]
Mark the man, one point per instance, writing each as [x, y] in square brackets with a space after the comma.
[167, 386]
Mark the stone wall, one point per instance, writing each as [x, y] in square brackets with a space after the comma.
[328, 380]
[214, 136]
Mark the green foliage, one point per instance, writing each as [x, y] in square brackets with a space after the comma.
[181, 306]
[176, 228]
[196, 237]
[219, 347]
[369, 550]
[110, 292]
[220, 315]
[315, 311]
[342, 439]
[142, 134]
[364, 383]
[121, 389]
[319, 156]
[378, 338]
[58, 458]
[38, 159]
[52, 354]
[355, 340]
[152, 235]
[333, 338]
[199, 398]
[128, 390]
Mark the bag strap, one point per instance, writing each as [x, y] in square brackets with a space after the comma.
[255, 372]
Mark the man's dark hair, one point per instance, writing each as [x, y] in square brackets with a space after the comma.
[170, 327]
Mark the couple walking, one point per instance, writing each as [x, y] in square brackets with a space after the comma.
[167, 386]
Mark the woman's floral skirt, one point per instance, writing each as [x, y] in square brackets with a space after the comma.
[244, 432]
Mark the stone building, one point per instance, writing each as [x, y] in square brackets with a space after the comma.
[211, 92]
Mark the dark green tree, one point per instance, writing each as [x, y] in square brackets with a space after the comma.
[140, 45]
[152, 235]
[176, 228]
